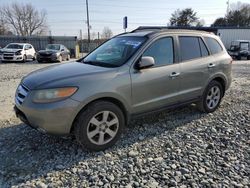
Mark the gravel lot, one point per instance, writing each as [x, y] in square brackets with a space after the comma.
[181, 147]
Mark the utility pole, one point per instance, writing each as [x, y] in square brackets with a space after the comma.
[87, 7]
[228, 6]
[81, 51]
[98, 37]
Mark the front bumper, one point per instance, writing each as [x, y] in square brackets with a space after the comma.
[11, 58]
[52, 118]
[47, 58]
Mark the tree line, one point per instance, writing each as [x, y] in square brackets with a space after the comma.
[26, 20]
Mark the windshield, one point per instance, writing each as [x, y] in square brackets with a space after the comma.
[244, 45]
[14, 46]
[53, 47]
[115, 52]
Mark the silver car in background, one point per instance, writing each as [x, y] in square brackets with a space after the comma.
[147, 70]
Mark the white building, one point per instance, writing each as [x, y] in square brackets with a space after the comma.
[228, 35]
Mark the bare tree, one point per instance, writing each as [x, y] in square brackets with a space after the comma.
[107, 33]
[24, 19]
[3, 26]
[237, 16]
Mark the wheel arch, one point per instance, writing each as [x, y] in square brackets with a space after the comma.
[113, 100]
[222, 80]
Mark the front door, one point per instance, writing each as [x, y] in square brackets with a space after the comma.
[157, 86]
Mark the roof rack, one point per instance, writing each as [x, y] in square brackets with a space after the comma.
[150, 28]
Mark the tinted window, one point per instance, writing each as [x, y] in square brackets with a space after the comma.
[204, 51]
[161, 51]
[213, 45]
[190, 48]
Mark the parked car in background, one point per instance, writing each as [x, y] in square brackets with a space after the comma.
[20, 52]
[53, 53]
[129, 75]
[239, 49]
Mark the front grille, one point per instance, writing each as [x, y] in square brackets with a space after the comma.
[8, 55]
[21, 93]
[45, 55]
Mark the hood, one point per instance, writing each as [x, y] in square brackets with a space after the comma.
[47, 51]
[59, 72]
[10, 50]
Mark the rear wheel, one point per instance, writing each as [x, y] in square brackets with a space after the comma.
[248, 57]
[238, 57]
[211, 98]
[99, 126]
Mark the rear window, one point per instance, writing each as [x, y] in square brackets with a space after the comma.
[213, 45]
[190, 48]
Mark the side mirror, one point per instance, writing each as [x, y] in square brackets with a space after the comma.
[146, 62]
[62, 50]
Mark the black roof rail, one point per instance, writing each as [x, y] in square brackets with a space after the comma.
[150, 28]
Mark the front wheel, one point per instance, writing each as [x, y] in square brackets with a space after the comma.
[99, 126]
[34, 57]
[68, 57]
[24, 59]
[60, 59]
[211, 98]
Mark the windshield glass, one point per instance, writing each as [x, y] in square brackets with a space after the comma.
[53, 47]
[115, 52]
[14, 46]
[244, 45]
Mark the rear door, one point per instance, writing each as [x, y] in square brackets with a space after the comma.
[156, 86]
[194, 61]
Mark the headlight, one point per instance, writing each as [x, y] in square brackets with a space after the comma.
[19, 52]
[53, 95]
[55, 54]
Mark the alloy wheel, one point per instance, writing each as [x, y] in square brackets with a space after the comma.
[213, 97]
[102, 127]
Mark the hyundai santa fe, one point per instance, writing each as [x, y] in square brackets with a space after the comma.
[143, 71]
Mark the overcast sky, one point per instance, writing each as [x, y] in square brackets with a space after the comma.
[67, 17]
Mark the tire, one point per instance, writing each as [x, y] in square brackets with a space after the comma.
[60, 59]
[248, 57]
[91, 131]
[24, 59]
[34, 57]
[238, 57]
[211, 98]
[68, 57]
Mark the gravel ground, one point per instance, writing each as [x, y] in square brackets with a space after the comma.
[177, 148]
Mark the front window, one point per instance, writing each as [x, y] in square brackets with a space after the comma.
[115, 52]
[53, 47]
[162, 51]
[14, 46]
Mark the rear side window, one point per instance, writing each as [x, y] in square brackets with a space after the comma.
[204, 51]
[189, 48]
[213, 45]
[162, 51]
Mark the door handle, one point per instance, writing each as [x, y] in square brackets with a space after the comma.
[174, 74]
[211, 65]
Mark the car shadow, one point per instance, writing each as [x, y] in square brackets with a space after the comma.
[27, 154]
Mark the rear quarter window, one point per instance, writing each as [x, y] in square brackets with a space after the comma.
[213, 45]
